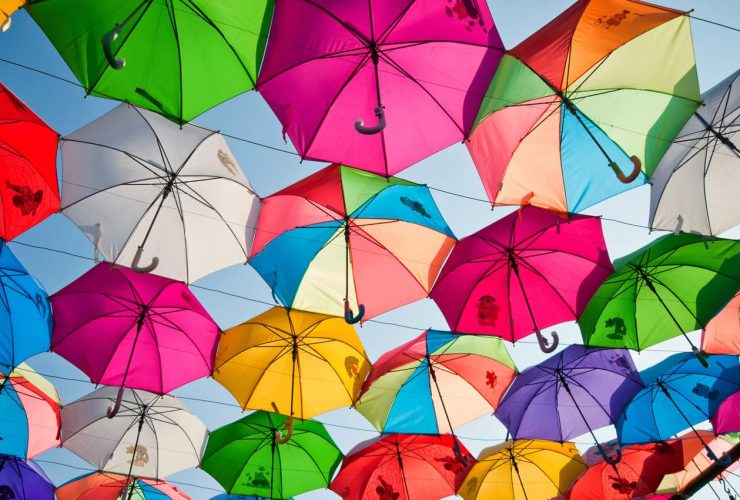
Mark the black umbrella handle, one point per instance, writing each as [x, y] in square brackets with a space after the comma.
[701, 356]
[361, 128]
[626, 179]
[115, 62]
[608, 459]
[548, 346]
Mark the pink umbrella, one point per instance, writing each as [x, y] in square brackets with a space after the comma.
[727, 417]
[134, 330]
[421, 67]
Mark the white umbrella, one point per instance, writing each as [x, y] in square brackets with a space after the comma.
[157, 197]
[695, 187]
[150, 436]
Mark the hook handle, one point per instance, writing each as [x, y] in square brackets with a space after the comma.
[701, 356]
[349, 317]
[608, 459]
[108, 39]
[113, 410]
[361, 128]
[143, 269]
[626, 179]
[284, 438]
[545, 345]
[724, 461]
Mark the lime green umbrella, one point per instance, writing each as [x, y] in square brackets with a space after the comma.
[176, 57]
[269, 455]
[672, 286]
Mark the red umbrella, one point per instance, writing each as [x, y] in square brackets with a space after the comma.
[403, 467]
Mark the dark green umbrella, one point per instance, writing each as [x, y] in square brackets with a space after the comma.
[672, 286]
[252, 456]
[176, 57]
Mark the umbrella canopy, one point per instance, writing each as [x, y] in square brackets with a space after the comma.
[674, 285]
[695, 185]
[25, 313]
[154, 53]
[341, 233]
[292, 362]
[7, 7]
[509, 279]
[722, 333]
[29, 413]
[403, 467]
[250, 456]
[109, 486]
[158, 197]
[727, 416]
[150, 436]
[28, 156]
[23, 480]
[436, 383]
[604, 86]
[523, 469]
[420, 67]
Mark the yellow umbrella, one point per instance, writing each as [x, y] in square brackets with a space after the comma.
[7, 7]
[292, 362]
[523, 469]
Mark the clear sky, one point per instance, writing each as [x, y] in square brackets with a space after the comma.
[63, 106]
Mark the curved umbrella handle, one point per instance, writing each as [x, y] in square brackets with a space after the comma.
[545, 345]
[626, 179]
[725, 461]
[611, 461]
[701, 356]
[143, 269]
[6, 24]
[113, 410]
[284, 438]
[361, 128]
[349, 317]
[108, 39]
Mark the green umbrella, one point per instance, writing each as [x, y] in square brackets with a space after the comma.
[252, 457]
[176, 57]
[672, 286]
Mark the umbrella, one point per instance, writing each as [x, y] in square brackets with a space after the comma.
[226, 496]
[604, 86]
[344, 235]
[436, 383]
[7, 7]
[292, 362]
[575, 391]
[403, 467]
[722, 334]
[179, 58]
[421, 67]
[150, 436]
[250, 457]
[25, 314]
[522, 273]
[694, 188]
[674, 285]
[158, 197]
[109, 486]
[727, 416]
[28, 155]
[29, 413]
[523, 469]
[23, 480]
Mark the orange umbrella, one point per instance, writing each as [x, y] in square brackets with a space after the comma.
[696, 460]
[722, 333]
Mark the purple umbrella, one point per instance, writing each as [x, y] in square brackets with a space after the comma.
[574, 392]
[19, 479]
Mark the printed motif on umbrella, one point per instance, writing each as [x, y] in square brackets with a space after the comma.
[466, 9]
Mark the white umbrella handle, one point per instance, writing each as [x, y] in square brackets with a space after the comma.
[108, 39]
[143, 269]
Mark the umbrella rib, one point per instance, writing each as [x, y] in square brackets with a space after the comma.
[181, 214]
[295, 443]
[173, 22]
[529, 266]
[165, 159]
[350, 29]
[285, 350]
[339, 54]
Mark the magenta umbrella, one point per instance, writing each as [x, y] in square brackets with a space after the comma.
[530, 270]
[421, 67]
[127, 329]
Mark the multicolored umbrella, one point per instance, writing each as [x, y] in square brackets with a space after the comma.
[523, 469]
[154, 53]
[726, 418]
[694, 188]
[507, 279]
[29, 413]
[7, 7]
[292, 362]
[436, 383]
[158, 197]
[25, 313]
[420, 67]
[722, 333]
[23, 480]
[28, 156]
[604, 86]
[344, 240]
[108, 486]
[403, 467]
[250, 456]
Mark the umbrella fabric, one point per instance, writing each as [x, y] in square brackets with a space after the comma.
[435, 383]
[342, 233]
[246, 457]
[674, 285]
[727, 416]
[109, 486]
[403, 467]
[181, 57]
[523, 469]
[7, 7]
[694, 188]
[574, 392]
[722, 333]
[23, 480]
[509, 278]
[423, 64]
[25, 313]
[134, 330]
[29, 413]
[226, 496]
[292, 362]
[679, 393]
[28, 156]
[150, 436]
[604, 86]
[142, 188]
